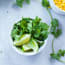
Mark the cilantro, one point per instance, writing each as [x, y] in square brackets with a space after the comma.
[20, 28]
[58, 55]
[20, 2]
[56, 31]
[45, 3]
[27, 1]
[40, 29]
[35, 27]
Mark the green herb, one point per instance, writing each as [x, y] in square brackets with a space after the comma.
[58, 55]
[20, 2]
[56, 31]
[35, 27]
[20, 28]
[40, 29]
[27, 1]
[45, 3]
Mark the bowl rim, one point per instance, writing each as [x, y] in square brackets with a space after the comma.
[57, 7]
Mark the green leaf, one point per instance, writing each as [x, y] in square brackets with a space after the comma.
[58, 55]
[58, 33]
[55, 29]
[44, 26]
[61, 52]
[19, 2]
[54, 56]
[55, 23]
[40, 29]
[27, 1]
[45, 3]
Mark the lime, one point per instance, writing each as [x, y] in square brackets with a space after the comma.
[24, 39]
[26, 47]
[32, 45]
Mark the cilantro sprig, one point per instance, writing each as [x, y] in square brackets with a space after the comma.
[37, 29]
[20, 2]
[56, 31]
[58, 55]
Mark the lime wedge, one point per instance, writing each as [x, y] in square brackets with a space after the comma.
[26, 47]
[31, 46]
[24, 39]
[34, 45]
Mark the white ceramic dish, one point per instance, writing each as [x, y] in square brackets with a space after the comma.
[55, 8]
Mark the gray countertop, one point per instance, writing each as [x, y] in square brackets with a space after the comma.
[9, 14]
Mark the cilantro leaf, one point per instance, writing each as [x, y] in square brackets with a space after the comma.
[55, 30]
[20, 2]
[40, 29]
[58, 55]
[27, 1]
[54, 56]
[45, 3]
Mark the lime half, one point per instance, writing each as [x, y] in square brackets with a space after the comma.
[27, 47]
[33, 45]
[24, 39]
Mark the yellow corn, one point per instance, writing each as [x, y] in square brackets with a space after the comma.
[60, 4]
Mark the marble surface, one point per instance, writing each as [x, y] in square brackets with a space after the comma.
[9, 14]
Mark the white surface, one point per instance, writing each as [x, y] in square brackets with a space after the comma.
[9, 56]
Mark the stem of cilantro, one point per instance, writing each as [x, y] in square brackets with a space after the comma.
[53, 55]
[49, 13]
[50, 29]
[50, 17]
[53, 45]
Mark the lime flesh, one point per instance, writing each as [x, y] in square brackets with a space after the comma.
[25, 39]
[32, 45]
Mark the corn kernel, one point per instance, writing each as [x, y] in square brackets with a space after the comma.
[60, 4]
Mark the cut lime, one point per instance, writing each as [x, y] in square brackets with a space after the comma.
[27, 48]
[34, 45]
[24, 39]
[31, 46]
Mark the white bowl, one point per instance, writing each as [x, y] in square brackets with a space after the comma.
[55, 8]
[29, 53]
